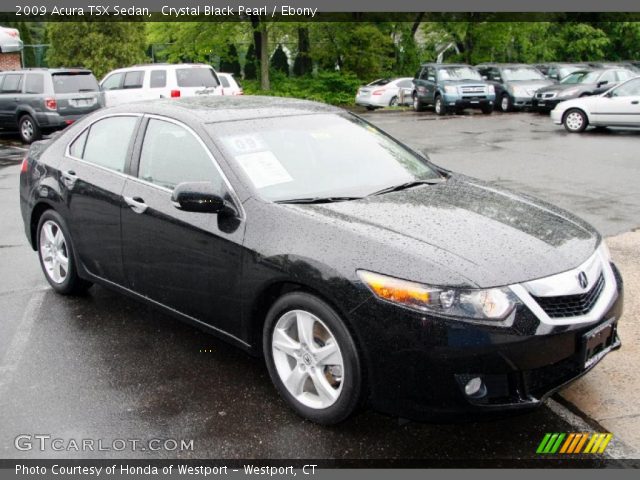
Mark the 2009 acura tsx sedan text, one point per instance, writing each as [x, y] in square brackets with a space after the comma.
[360, 270]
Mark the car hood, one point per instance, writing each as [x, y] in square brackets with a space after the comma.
[486, 237]
[559, 87]
[529, 84]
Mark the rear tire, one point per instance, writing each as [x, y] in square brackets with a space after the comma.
[299, 329]
[575, 121]
[393, 102]
[56, 255]
[28, 129]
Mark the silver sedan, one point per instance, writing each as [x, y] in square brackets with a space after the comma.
[385, 92]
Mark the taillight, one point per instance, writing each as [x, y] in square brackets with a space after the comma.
[25, 164]
[175, 93]
[377, 92]
[51, 104]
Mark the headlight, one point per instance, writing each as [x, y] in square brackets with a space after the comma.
[450, 89]
[519, 92]
[493, 304]
[569, 92]
[491, 89]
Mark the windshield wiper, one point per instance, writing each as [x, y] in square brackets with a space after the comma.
[404, 186]
[318, 200]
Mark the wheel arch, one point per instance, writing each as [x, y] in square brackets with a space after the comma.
[36, 213]
[23, 110]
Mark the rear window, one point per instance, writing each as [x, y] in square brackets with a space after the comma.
[72, 82]
[196, 77]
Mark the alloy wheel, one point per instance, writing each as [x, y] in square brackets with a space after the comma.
[53, 251]
[574, 121]
[504, 103]
[438, 106]
[308, 359]
[26, 129]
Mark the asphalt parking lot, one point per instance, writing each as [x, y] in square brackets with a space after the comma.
[106, 367]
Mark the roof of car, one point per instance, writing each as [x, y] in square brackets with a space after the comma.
[434, 64]
[223, 108]
[49, 70]
[504, 65]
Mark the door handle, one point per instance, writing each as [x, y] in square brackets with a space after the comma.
[69, 178]
[136, 203]
[635, 102]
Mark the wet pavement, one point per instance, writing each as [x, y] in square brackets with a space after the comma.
[106, 367]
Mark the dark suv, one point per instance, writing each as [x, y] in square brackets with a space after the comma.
[451, 87]
[515, 84]
[37, 101]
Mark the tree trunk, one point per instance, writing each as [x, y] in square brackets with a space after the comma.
[264, 57]
[416, 24]
[303, 64]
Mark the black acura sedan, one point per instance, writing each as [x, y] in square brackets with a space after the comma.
[361, 272]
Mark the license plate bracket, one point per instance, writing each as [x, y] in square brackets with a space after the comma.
[599, 341]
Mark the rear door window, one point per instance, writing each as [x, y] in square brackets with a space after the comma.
[74, 82]
[196, 77]
[133, 79]
[158, 79]
[12, 83]
[34, 83]
[108, 142]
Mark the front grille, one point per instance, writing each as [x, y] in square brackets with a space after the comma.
[465, 90]
[546, 95]
[572, 305]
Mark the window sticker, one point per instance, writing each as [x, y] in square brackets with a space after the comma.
[264, 169]
[241, 144]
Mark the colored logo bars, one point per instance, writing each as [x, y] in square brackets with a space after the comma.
[553, 443]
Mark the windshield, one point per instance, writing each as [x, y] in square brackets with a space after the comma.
[581, 77]
[564, 71]
[521, 73]
[72, 82]
[320, 155]
[196, 77]
[458, 73]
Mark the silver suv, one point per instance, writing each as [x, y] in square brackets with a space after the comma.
[37, 101]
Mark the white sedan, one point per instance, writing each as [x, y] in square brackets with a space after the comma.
[618, 107]
[385, 92]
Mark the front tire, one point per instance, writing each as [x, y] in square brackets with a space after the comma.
[575, 121]
[506, 105]
[312, 358]
[28, 129]
[56, 255]
[439, 106]
[418, 106]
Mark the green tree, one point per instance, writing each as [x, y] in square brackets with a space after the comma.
[98, 46]
[230, 62]
[250, 64]
[280, 61]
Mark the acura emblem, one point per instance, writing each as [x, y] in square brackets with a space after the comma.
[582, 280]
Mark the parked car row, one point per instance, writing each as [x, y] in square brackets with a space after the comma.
[39, 101]
[606, 92]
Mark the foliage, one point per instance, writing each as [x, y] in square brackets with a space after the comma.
[98, 46]
[329, 87]
[251, 64]
[279, 61]
[230, 62]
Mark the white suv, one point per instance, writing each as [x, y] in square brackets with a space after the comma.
[146, 82]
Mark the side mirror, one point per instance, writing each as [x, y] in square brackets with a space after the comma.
[603, 82]
[484, 77]
[201, 197]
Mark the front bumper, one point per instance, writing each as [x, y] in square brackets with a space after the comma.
[457, 101]
[522, 102]
[556, 115]
[421, 367]
[546, 104]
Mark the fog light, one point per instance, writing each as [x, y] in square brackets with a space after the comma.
[475, 388]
